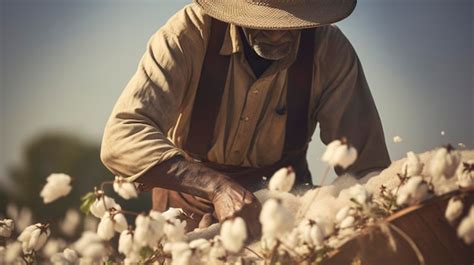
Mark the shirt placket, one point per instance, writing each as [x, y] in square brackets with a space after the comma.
[249, 118]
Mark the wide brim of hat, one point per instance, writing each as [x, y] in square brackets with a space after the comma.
[308, 14]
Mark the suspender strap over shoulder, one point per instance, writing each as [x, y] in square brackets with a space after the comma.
[209, 93]
[300, 77]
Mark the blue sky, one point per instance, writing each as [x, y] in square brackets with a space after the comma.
[64, 63]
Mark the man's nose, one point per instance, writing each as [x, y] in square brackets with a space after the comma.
[274, 35]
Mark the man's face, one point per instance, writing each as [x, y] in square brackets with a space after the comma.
[271, 44]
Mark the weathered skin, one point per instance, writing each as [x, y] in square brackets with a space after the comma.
[228, 198]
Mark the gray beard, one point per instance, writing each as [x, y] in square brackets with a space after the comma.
[271, 52]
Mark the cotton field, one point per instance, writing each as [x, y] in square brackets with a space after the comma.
[296, 229]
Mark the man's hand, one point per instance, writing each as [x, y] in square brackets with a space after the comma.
[232, 200]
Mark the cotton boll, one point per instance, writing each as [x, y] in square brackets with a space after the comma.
[125, 245]
[57, 185]
[172, 213]
[106, 227]
[343, 213]
[465, 174]
[180, 252]
[102, 204]
[466, 227]
[125, 189]
[201, 245]
[345, 156]
[67, 257]
[90, 246]
[444, 162]
[142, 223]
[415, 190]
[397, 139]
[360, 194]
[282, 180]
[412, 165]
[34, 237]
[12, 252]
[233, 234]
[275, 219]
[120, 223]
[71, 222]
[338, 153]
[347, 222]
[217, 252]
[311, 233]
[53, 246]
[330, 150]
[175, 230]
[454, 209]
[6, 227]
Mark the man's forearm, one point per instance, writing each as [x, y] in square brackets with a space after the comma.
[181, 175]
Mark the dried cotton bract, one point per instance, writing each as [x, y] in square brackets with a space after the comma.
[34, 237]
[6, 228]
[466, 227]
[57, 185]
[412, 165]
[233, 234]
[415, 190]
[444, 162]
[339, 153]
[125, 189]
[465, 174]
[454, 209]
[282, 180]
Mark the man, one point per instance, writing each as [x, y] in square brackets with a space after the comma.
[230, 91]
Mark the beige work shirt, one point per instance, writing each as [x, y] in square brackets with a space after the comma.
[151, 118]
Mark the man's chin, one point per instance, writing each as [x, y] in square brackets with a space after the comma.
[270, 52]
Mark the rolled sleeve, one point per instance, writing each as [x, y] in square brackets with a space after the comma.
[347, 108]
[135, 137]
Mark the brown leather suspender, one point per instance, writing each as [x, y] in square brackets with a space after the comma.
[209, 94]
[211, 87]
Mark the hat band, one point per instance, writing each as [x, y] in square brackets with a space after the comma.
[278, 3]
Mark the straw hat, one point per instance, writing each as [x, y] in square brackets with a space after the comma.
[278, 14]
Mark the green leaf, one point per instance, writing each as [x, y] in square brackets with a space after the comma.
[86, 201]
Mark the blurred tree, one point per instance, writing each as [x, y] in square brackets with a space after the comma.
[62, 153]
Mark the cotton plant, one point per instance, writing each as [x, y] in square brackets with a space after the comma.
[32, 239]
[7, 226]
[454, 209]
[233, 234]
[412, 165]
[444, 162]
[66, 257]
[57, 185]
[112, 221]
[102, 204]
[465, 229]
[70, 223]
[124, 188]
[90, 247]
[23, 217]
[414, 191]
[465, 174]
[149, 229]
[339, 153]
[282, 180]
[53, 246]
